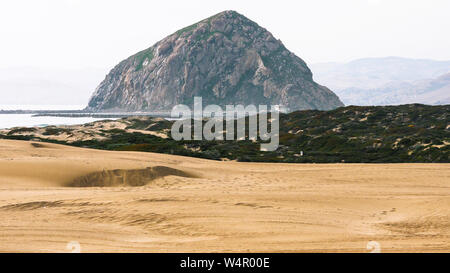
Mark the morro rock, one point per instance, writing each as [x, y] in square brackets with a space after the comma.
[226, 59]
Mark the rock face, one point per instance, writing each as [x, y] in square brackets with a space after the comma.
[226, 59]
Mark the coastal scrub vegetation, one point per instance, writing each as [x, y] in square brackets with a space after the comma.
[353, 134]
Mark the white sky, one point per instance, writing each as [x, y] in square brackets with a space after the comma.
[100, 33]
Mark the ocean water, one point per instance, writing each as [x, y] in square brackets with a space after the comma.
[27, 120]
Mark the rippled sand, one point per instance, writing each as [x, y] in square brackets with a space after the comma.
[51, 195]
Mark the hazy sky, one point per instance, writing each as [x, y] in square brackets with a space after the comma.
[100, 33]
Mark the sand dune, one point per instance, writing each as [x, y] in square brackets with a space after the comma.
[133, 178]
[51, 195]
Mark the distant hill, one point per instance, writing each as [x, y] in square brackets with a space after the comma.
[226, 59]
[386, 81]
[407, 133]
[431, 92]
[48, 86]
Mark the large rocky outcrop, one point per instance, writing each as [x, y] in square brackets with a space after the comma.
[226, 59]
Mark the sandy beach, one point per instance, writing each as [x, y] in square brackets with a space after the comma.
[51, 195]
